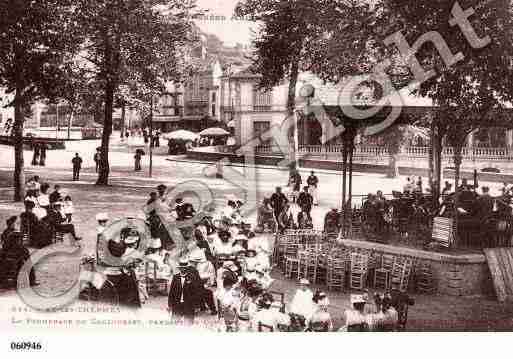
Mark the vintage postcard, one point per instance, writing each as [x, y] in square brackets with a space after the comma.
[255, 166]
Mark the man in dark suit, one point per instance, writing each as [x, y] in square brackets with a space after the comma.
[77, 166]
[278, 202]
[305, 201]
[185, 293]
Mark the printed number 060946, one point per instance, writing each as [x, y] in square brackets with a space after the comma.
[25, 346]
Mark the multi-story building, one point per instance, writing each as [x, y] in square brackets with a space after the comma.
[250, 110]
[194, 104]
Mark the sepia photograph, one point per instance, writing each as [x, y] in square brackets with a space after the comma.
[255, 166]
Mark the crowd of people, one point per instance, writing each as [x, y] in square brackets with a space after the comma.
[47, 215]
[412, 210]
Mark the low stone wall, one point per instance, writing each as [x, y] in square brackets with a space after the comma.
[453, 274]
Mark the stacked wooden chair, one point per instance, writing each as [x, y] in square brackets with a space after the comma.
[424, 278]
[401, 273]
[359, 270]
[308, 262]
[336, 273]
[382, 275]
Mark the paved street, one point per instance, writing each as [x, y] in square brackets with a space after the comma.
[129, 190]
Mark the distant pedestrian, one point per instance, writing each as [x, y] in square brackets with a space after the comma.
[138, 156]
[42, 156]
[35, 156]
[313, 183]
[97, 159]
[156, 139]
[145, 135]
[77, 166]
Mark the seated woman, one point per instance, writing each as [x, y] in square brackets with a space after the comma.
[228, 299]
[38, 232]
[247, 305]
[123, 276]
[223, 247]
[44, 197]
[320, 321]
[265, 217]
[385, 319]
[36, 209]
[261, 246]
[58, 222]
[355, 319]
[12, 226]
[13, 257]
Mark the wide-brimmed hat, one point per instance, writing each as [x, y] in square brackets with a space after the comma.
[304, 281]
[132, 236]
[358, 298]
[155, 243]
[102, 217]
[197, 255]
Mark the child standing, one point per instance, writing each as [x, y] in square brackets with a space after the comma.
[68, 208]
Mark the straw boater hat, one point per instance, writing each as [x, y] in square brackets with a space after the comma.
[102, 217]
[155, 243]
[241, 237]
[197, 255]
[132, 237]
[357, 298]
[230, 265]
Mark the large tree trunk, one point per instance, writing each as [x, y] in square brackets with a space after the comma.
[291, 105]
[19, 164]
[104, 168]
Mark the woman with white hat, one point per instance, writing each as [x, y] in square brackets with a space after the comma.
[102, 219]
[228, 298]
[248, 306]
[260, 244]
[207, 274]
[355, 319]
[302, 303]
[320, 321]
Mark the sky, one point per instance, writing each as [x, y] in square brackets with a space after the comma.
[229, 31]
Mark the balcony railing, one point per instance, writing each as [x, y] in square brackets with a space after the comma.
[380, 153]
[254, 108]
